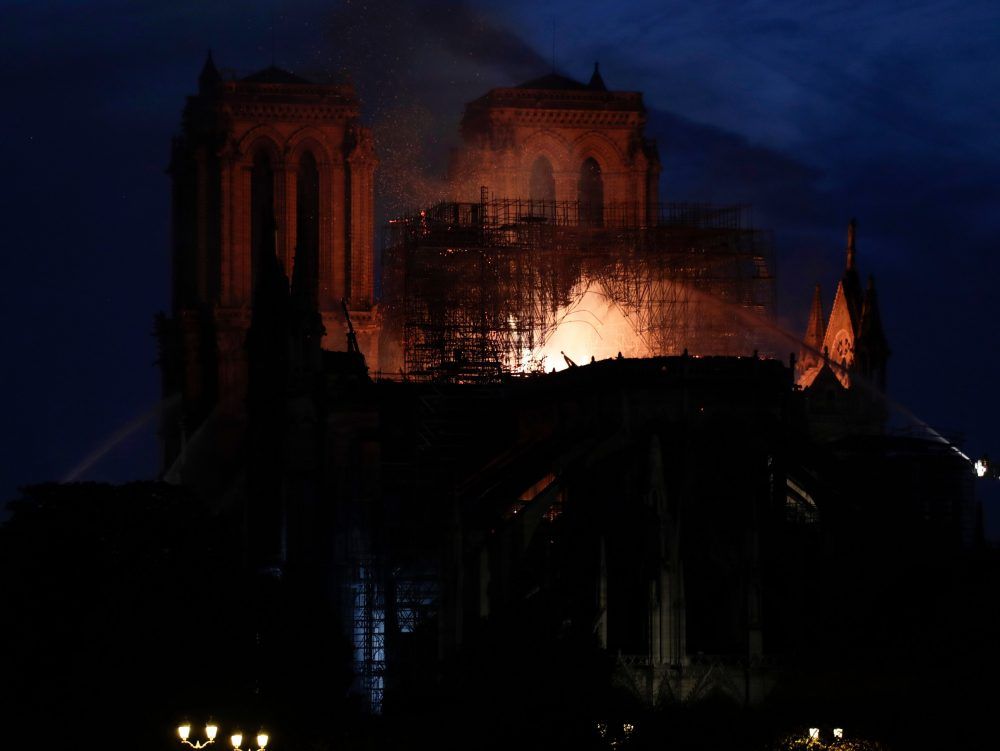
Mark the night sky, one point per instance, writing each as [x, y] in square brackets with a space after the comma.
[812, 112]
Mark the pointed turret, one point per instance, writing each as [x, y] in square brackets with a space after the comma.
[872, 347]
[267, 338]
[209, 78]
[303, 286]
[810, 359]
[813, 339]
[853, 295]
[596, 82]
[305, 324]
[871, 330]
[267, 376]
[845, 313]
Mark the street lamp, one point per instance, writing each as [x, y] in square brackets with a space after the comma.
[184, 731]
[237, 740]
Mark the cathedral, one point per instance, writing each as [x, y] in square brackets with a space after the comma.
[681, 510]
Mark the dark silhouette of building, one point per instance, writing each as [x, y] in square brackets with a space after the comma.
[699, 523]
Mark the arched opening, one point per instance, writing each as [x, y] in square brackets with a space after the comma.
[262, 222]
[591, 194]
[305, 275]
[542, 188]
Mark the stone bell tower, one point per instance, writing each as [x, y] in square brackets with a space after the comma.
[553, 140]
[266, 164]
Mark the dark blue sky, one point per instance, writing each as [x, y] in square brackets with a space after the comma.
[814, 112]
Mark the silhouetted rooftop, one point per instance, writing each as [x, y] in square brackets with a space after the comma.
[553, 81]
[274, 74]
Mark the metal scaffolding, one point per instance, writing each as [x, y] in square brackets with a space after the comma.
[472, 288]
[368, 631]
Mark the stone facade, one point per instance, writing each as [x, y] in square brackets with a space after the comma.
[270, 163]
[556, 139]
[248, 151]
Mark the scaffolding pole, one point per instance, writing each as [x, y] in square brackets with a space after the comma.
[472, 287]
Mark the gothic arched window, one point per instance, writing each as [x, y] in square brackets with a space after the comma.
[591, 194]
[306, 272]
[542, 186]
[262, 222]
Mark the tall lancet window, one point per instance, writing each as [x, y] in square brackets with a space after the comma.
[305, 276]
[262, 222]
[591, 194]
[542, 188]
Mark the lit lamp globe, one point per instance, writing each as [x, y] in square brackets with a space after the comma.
[261, 739]
[211, 730]
[184, 731]
[236, 739]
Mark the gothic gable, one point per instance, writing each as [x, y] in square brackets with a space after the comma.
[841, 333]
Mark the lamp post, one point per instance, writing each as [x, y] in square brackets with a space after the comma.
[815, 738]
[237, 740]
[184, 731]
[212, 730]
